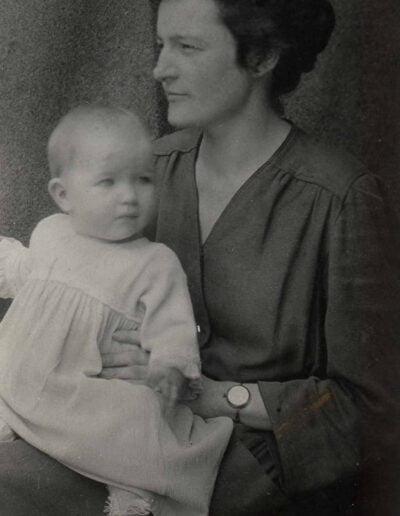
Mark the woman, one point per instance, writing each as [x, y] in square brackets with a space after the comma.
[284, 243]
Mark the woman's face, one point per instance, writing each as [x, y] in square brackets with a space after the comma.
[197, 65]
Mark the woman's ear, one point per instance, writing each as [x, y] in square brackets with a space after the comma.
[58, 193]
[263, 65]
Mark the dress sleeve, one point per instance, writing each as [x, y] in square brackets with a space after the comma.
[168, 329]
[14, 266]
[327, 427]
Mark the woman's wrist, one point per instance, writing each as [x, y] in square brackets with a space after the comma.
[254, 414]
[222, 405]
[213, 398]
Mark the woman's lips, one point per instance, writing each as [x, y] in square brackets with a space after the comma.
[172, 95]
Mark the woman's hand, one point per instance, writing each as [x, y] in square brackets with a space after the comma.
[128, 360]
[211, 401]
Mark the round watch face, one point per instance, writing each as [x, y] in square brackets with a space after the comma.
[238, 396]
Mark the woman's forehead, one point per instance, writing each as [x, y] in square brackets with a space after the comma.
[187, 18]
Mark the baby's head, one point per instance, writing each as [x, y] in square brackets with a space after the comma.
[101, 166]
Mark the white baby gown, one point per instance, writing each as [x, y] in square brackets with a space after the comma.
[71, 294]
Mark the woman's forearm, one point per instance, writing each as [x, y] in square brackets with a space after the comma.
[255, 413]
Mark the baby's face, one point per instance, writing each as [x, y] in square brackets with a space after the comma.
[110, 188]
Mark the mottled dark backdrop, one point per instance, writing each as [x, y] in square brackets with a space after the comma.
[54, 54]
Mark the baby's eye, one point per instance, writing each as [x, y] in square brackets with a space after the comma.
[106, 182]
[145, 180]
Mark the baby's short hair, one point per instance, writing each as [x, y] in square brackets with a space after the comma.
[62, 145]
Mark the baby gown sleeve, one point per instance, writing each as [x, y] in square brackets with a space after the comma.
[168, 329]
[14, 269]
[15, 266]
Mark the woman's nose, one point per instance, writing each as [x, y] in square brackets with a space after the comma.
[165, 68]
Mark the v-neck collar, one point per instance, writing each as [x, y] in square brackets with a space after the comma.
[231, 204]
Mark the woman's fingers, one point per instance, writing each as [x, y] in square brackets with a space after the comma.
[127, 361]
[134, 372]
[127, 337]
[130, 356]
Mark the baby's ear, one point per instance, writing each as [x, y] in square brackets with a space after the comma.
[58, 193]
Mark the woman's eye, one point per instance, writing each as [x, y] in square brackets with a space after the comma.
[187, 48]
[159, 47]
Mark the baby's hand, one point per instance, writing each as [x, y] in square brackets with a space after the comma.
[168, 381]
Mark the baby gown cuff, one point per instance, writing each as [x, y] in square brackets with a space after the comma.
[190, 370]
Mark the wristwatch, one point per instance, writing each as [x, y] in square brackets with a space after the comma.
[238, 397]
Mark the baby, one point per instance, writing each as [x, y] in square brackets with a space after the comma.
[89, 272]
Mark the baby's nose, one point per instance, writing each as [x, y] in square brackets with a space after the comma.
[128, 194]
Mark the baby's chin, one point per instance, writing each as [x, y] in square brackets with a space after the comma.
[118, 239]
[111, 237]
[130, 238]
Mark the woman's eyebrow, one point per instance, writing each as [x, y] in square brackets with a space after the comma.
[176, 38]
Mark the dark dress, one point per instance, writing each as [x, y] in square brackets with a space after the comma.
[297, 289]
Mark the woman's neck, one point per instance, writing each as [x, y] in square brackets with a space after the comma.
[241, 145]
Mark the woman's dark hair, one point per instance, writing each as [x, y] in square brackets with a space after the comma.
[298, 29]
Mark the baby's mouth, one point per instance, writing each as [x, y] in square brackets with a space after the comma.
[128, 216]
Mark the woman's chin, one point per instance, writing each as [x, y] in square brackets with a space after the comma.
[177, 122]
[182, 120]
